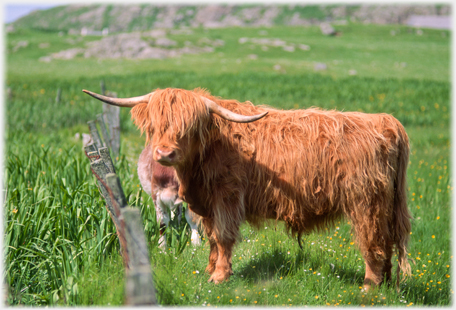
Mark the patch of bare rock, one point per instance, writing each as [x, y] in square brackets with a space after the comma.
[149, 45]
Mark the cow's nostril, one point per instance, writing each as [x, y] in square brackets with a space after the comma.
[165, 155]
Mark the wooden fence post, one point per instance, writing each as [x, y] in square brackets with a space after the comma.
[104, 153]
[101, 165]
[59, 94]
[111, 116]
[103, 88]
[118, 195]
[139, 286]
[112, 119]
[94, 133]
[90, 148]
[104, 132]
[100, 170]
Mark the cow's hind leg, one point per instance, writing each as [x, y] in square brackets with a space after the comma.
[374, 267]
[374, 240]
[387, 266]
[378, 265]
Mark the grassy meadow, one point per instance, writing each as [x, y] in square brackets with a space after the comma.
[60, 246]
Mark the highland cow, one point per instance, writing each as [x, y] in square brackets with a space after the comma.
[238, 162]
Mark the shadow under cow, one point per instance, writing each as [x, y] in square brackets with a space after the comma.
[272, 265]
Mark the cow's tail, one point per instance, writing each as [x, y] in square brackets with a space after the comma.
[402, 226]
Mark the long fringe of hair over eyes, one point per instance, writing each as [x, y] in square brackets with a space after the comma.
[184, 110]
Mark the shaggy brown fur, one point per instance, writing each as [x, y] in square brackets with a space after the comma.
[305, 167]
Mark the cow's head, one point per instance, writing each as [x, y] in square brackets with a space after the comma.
[177, 122]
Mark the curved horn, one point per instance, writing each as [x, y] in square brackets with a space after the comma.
[121, 102]
[229, 115]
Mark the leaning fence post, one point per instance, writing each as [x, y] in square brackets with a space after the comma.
[112, 119]
[104, 132]
[93, 155]
[100, 170]
[104, 153]
[57, 97]
[103, 88]
[90, 148]
[139, 286]
[95, 135]
[113, 182]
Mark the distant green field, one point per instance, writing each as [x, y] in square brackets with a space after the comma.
[373, 51]
[60, 246]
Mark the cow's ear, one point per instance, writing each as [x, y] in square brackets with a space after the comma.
[140, 116]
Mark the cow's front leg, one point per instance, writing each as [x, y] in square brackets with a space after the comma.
[223, 269]
[213, 253]
[223, 231]
[213, 256]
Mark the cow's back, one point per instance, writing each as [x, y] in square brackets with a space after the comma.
[309, 165]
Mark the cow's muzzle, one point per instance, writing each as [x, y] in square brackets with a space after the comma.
[165, 156]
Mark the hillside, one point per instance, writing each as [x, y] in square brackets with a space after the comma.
[139, 17]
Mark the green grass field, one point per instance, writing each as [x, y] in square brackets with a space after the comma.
[60, 246]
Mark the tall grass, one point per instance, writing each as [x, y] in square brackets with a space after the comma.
[413, 102]
[60, 246]
[55, 223]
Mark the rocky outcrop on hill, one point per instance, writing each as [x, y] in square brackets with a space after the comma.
[395, 14]
[136, 45]
[138, 31]
[142, 17]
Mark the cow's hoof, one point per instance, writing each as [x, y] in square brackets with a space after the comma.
[218, 277]
[367, 286]
[210, 269]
